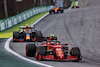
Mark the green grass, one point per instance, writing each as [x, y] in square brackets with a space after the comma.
[9, 32]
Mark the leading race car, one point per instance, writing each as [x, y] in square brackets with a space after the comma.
[27, 34]
[53, 50]
[56, 10]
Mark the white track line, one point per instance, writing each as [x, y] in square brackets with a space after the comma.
[22, 57]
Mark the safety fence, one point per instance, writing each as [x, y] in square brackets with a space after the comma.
[11, 21]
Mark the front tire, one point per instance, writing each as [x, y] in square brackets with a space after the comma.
[30, 50]
[75, 51]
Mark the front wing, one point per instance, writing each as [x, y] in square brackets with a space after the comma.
[68, 58]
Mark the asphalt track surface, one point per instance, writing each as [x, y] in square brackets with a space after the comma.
[89, 3]
[9, 60]
[79, 28]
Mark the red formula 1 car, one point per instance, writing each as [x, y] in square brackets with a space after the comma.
[53, 50]
[50, 38]
[27, 34]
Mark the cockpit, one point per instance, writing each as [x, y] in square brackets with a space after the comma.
[27, 29]
[53, 42]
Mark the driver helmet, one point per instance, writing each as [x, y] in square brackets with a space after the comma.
[27, 25]
[27, 28]
[55, 5]
[52, 35]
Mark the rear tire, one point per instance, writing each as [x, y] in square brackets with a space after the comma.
[15, 35]
[62, 11]
[49, 12]
[39, 36]
[30, 50]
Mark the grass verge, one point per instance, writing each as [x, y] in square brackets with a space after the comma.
[9, 32]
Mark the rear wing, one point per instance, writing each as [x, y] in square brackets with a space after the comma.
[49, 39]
[23, 27]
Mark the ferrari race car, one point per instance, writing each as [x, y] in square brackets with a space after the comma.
[56, 10]
[51, 37]
[27, 34]
[53, 50]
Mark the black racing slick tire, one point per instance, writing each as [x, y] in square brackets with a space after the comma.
[15, 36]
[41, 50]
[62, 11]
[75, 51]
[39, 36]
[49, 12]
[30, 50]
[55, 55]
